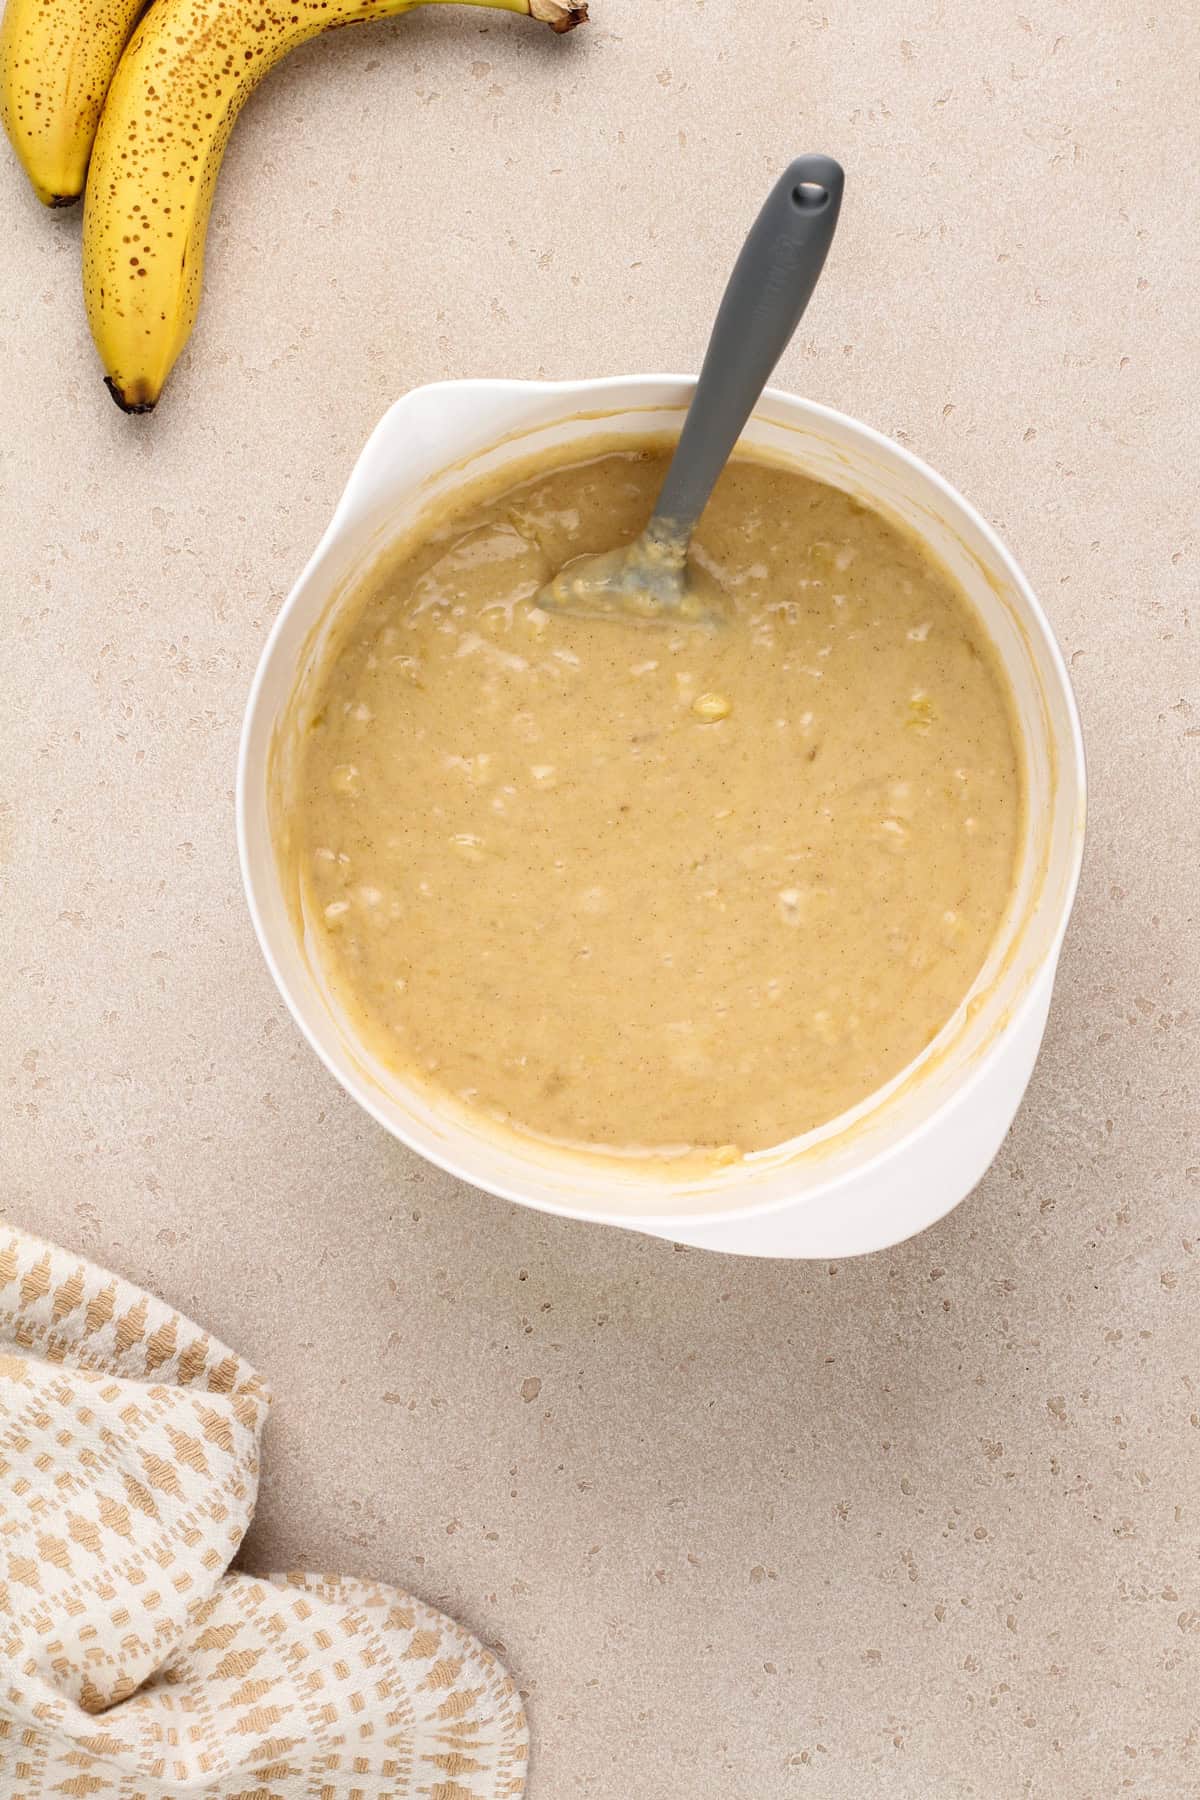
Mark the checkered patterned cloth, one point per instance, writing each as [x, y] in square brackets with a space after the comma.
[134, 1665]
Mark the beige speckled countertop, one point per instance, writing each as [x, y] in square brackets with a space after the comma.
[924, 1526]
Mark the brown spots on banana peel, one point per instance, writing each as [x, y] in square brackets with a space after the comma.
[178, 90]
[57, 59]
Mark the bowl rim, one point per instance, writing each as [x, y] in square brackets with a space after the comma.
[676, 1220]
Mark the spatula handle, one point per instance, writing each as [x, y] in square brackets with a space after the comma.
[768, 291]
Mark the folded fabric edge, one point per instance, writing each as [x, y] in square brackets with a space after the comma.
[58, 1305]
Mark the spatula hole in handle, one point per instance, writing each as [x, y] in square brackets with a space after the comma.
[809, 196]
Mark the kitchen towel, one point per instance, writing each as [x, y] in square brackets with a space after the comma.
[134, 1663]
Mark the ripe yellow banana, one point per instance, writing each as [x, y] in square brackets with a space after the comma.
[170, 110]
[57, 58]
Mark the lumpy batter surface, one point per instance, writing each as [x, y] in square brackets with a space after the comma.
[647, 888]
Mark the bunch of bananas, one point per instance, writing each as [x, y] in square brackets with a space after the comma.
[140, 114]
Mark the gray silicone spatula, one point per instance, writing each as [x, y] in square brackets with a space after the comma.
[768, 291]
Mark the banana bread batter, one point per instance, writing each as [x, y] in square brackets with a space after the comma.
[654, 888]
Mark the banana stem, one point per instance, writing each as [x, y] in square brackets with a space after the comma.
[560, 15]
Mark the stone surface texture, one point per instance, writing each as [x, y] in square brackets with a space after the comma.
[924, 1526]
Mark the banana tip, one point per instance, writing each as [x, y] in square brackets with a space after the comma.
[126, 405]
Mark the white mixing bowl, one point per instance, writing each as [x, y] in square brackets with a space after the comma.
[906, 1156]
